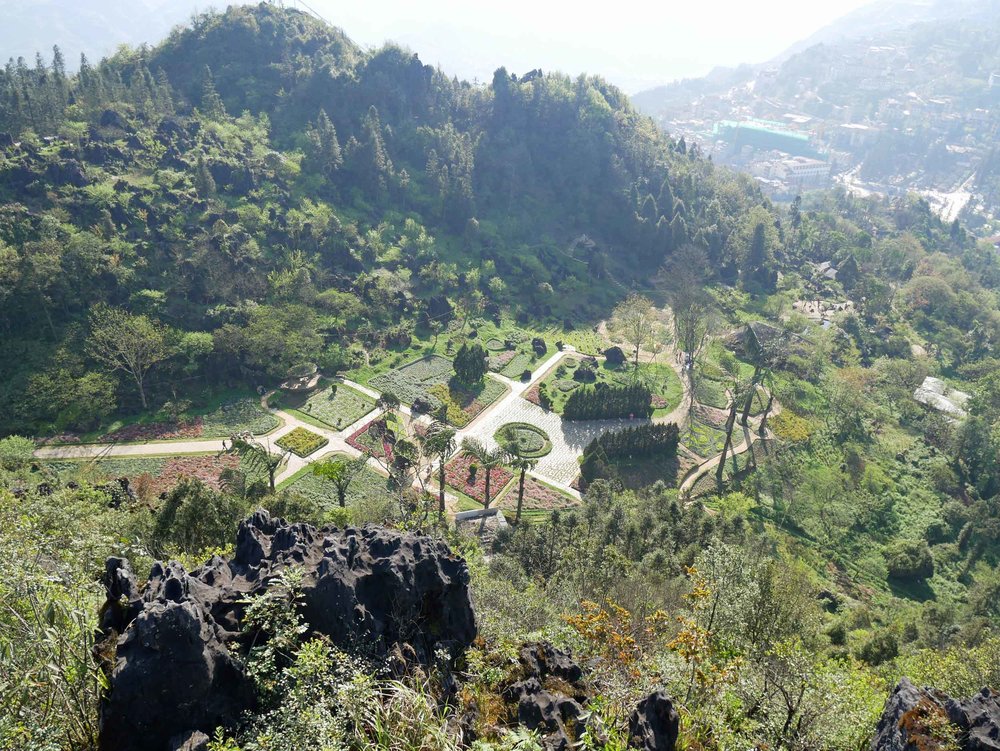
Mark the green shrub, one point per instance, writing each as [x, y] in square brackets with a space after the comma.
[910, 560]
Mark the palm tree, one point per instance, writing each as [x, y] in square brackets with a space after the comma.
[256, 455]
[439, 443]
[516, 460]
[489, 459]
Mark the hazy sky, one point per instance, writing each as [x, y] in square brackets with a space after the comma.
[634, 43]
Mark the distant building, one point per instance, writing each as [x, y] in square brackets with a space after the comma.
[802, 170]
[764, 136]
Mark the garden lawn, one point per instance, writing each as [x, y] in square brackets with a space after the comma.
[706, 440]
[336, 407]
[367, 485]
[458, 476]
[414, 380]
[302, 442]
[661, 380]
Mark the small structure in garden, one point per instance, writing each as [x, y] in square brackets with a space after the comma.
[301, 379]
[481, 523]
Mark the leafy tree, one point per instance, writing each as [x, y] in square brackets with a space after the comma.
[470, 364]
[634, 322]
[16, 452]
[439, 444]
[256, 456]
[194, 518]
[127, 342]
[517, 461]
[340, 473]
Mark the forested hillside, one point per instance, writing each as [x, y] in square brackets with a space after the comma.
[260, 156]
[256, 266]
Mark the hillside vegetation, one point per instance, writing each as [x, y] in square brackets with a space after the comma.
[258, 199]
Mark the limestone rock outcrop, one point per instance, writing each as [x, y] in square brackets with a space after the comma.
[173, 647]
[925, 719]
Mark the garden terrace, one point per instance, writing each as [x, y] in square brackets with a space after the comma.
[243, 415]
[157, 474]
[574, 373]
[367, 486]
[430, 381]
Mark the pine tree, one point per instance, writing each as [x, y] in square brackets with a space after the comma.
[204, 182]
[211, 103]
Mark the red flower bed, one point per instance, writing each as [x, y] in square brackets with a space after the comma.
[62, 438]
[456, 474]
[364, 443]
[537, 496]
[155, 431]
[532, 395]
[659, 402]
[205, 468]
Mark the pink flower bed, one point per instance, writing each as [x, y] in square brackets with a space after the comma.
[456, 474]
[532, 395]
[499, 361]
[536, 496]
[155, 431]
[659, 402]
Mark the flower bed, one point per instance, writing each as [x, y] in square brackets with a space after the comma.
[162, 472]
[495, 345]
[457, 476]
[338, 406]
[517, 366]
[531, 395]
[532, 441]
[537, 495]
[302, 442]
[365, 443]
[499, 362]
[412, 381]
[155, 431]
[461, 405]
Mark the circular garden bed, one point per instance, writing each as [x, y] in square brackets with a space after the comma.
[565, 385]
[532, 441]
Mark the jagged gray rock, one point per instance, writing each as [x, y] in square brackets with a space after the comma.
[173, 650]
[913, 717]
[655, 724]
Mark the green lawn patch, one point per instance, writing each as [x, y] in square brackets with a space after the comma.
[711, 393]
[413, 380]
[336, 406]
[302, 442]
[703, 439]
[367, 485]
[237, 417]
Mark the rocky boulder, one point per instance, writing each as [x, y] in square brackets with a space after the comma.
[927, 719]
[655, 724]
[173, 648]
